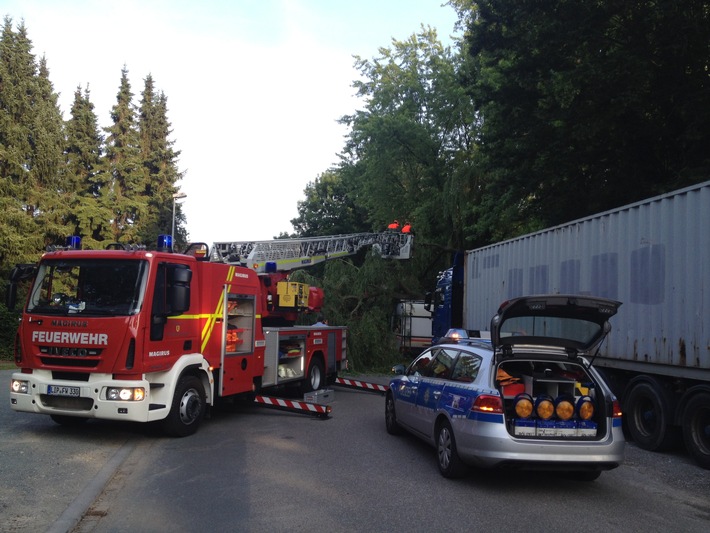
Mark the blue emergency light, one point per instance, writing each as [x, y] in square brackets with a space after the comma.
[73, 242]
[165, 243]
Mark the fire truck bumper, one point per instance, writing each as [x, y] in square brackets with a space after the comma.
[100, 397]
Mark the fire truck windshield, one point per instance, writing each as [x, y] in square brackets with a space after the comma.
[105, 287]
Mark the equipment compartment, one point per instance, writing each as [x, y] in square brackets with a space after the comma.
[549, 400]
[240, 323]
[292, 351]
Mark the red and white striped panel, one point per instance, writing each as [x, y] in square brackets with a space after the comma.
[361, 385]
[305, 407]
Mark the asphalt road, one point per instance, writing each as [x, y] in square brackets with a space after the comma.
[254, 469]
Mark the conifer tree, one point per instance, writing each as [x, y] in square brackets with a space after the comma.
[30, 134]
[124, 164]
[160, 163]
[47, 133]
[91, 213]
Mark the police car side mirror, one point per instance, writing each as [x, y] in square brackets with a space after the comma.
[398, 370]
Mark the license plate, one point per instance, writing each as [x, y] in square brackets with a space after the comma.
[61, 390]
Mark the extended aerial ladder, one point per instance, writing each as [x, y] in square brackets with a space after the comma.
[289, 254]
[274, 260]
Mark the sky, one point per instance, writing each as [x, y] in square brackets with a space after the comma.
[254, 88]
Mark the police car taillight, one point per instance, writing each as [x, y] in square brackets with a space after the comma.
[616, 409]
[486, 403]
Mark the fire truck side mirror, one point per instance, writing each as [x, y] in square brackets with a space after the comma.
[11, 296]
[19, 273]
[178, 295]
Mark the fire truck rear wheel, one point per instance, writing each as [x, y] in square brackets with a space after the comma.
[315, 376]
[188, 408]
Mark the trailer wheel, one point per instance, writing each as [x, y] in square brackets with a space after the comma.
[314, 377]
[188, 408]
[696, 428]
[393, 427]
[450, 464]
[649, 414]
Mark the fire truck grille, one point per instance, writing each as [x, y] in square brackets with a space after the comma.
[70, 376]
[70, 362]
[68, 351]
[64, 402]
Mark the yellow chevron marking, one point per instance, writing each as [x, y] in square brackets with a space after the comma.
[212, 319]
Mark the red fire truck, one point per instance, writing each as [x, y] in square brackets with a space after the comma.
[131, 334]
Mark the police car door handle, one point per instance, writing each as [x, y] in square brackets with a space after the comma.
[436, 394]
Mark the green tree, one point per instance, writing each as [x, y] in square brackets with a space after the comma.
[129, 179]
[30, 151]
[328, 209]
[53, 189]
[17, 227]
[409, 156]
[160, 163]
[91, 213]
[31, 140]
[586, 105]
[410, 153]
[361, 295]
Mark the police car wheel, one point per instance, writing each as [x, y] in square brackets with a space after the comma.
[393, 427]
[450, 464]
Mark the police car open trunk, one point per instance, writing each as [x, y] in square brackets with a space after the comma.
[543, 346]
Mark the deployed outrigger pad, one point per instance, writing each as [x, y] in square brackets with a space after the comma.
[294, 406]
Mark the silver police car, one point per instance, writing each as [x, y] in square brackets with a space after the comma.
[528, 398]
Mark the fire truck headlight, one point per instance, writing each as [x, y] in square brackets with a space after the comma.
[125, 394]
[128, 394]
[20, 387]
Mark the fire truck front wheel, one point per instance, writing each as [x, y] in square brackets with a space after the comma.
[188, 408]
